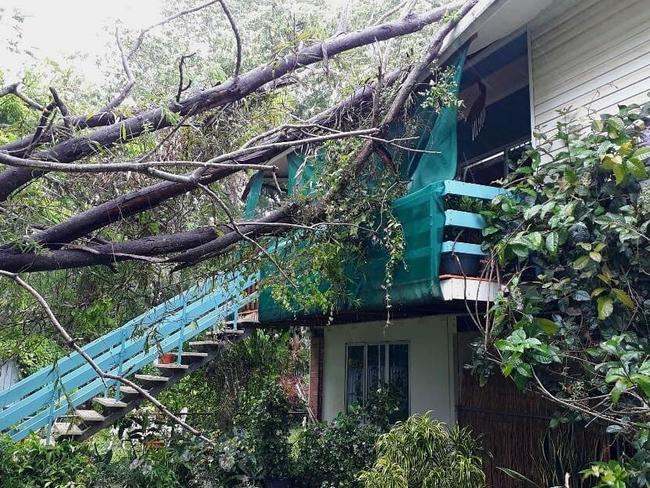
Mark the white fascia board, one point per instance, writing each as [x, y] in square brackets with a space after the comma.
[492, 20]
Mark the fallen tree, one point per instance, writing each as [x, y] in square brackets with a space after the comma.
[50, 248]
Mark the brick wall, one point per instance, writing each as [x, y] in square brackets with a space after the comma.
[316, 373]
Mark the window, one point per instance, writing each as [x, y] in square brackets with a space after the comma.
[369, 367]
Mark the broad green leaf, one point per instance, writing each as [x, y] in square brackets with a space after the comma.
[619, 174]
[605, 307]
[581, 262]
[595, 256]
[642, 153]
[552, 242]
[643, 382]
[536, 240]
[597, 291]
[548, 326]
[532, 211]
[623, 297]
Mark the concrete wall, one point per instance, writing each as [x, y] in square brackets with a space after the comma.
[588, 56]
[431, 362]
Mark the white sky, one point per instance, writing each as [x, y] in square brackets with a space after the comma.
[56, 28]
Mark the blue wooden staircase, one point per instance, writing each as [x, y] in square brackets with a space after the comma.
[68, 399]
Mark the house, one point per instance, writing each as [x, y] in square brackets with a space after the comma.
[529, 64]
[523, 65]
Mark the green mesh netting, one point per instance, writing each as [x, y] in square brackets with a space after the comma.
[429, 168]
[254, 192]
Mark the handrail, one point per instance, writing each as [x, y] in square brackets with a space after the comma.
[461, 188]
[73, 360]
[70, 382]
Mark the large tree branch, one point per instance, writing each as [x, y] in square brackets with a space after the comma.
[149, 197]
[14, 90]
[416, 73]
[106, 254]
[230, 91]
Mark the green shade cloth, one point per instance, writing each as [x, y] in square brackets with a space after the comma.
[254, 192]
[421, 213]
[429, 168]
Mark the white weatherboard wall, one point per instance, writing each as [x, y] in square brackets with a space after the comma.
[589, 55]
[431, 362]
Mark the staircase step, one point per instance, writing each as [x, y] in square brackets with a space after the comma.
[192, 357]
[225, 332]
[89, 415]
[151, 379]
[130, 391]
[240, 323]
[171, 369]
[109, 402]
[205, 344]
[66, 429]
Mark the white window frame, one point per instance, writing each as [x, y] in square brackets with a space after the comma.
[386, 369]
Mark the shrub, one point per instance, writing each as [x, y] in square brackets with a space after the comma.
[264, 429]
[333, 453]
[30, 464]
[422, 453]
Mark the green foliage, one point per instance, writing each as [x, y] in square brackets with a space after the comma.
[31, 464]
[423, 453]
[265, 423]
[571, 238]
[32, 353]
[331, 454]
[442, 91]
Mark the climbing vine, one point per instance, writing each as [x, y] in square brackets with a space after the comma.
[570, 241]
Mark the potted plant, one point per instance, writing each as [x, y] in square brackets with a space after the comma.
[167, 358]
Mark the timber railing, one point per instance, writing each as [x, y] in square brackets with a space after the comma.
[466, 220]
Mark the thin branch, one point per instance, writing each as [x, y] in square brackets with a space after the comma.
[236, 228]
[65, 113]
[235, 30]
[13, 89]
[43, 124]
[141, 167]
[181, 87]
[130, 80]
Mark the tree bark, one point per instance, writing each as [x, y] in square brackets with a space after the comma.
[160, 245]
[110, 253]
[230, 91]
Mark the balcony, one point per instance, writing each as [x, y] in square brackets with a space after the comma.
[435, 268]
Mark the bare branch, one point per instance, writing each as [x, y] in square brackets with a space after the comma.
[235, 30]
[108, 253]
[181, 87]
[216, 162]
[13, 89]
[141, 167]
[65, 113]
